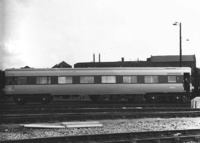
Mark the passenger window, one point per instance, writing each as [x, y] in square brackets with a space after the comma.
[64, 80]
[10, 80]
[129, 79]
[43, 80]
[21, 80]
[147, 79]
[151, 79]
[171, 79]
[154, 79]
[108, 79]
[86, 79]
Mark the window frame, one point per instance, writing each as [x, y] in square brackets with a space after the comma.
[86, 79]
[67, 80]
[129, 79]
[22, 80]
[46, 80]
[108, 79]
[172, 81]
[9, 80]
[153, 79]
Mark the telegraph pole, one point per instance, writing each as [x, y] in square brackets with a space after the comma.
[180, 40]
[180, 46]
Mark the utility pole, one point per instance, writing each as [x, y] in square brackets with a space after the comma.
[180, 46]
[180, 38]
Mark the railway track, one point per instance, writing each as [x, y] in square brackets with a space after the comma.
[10, 101]
[70, 111]
[75, 109]
[93, 115]
[93, 104]
[175, 136]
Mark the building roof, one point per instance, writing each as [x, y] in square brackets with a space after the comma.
[113, 64]
[172, 58]
[62, 65]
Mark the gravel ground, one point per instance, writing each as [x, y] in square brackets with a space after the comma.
[15, 131]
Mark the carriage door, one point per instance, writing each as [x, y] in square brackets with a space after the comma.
[186, 82]
[9, 88]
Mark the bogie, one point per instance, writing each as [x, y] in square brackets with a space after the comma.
[46, 99]
[20, 100]
[94, 98]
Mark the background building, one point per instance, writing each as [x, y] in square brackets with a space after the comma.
[62, 65]
[173, 61]
[153, 61]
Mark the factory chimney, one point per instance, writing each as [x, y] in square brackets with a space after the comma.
[99, 58]
[122, 59]
[94, 58]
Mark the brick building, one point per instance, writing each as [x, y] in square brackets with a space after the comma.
[173, 61]
[153, 61]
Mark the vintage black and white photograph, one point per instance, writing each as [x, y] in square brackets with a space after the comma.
[99, 71]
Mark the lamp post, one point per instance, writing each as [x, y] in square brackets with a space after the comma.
[179, 24]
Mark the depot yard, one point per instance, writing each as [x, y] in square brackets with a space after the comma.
[17, 131]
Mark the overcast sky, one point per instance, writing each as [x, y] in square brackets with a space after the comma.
[42, 33]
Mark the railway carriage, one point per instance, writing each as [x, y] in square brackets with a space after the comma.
[1, 84]
[152, 84]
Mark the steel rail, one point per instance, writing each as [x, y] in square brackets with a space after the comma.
[21, 118]
[90, 109]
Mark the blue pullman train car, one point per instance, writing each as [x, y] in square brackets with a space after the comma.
[151, 83]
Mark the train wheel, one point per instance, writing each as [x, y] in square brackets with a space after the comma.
[151, 99]
[19, 100]
[45, 99]
[94, 97]
[178, 99]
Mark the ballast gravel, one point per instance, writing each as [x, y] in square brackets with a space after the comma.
[16, 132]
